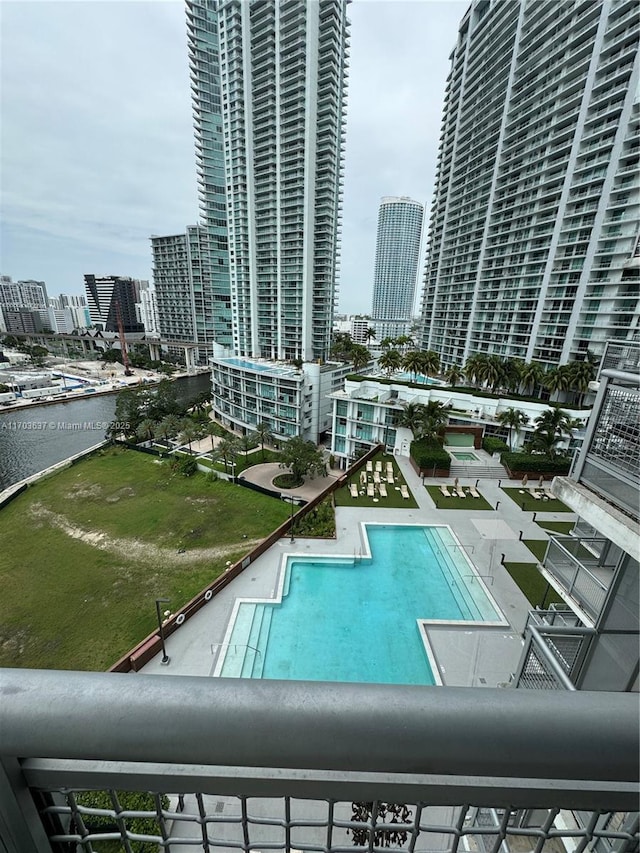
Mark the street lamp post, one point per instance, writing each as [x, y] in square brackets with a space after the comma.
[291, 499]
[165, 657]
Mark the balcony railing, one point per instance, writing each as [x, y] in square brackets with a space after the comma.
[236, 764]
[554, 650]
[577, 579]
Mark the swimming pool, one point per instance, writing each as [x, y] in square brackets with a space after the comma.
[259, 367]
[421, 380]
[462, 456]
[359, 619]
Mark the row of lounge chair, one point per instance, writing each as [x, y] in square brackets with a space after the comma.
[379, 488]
[540, 494]
[459, 492]
[378, 466]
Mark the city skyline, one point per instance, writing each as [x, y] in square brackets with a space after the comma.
[118, 137]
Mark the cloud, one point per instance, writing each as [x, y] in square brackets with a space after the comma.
[97, 135]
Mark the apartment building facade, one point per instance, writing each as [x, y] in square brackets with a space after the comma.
[533, 236]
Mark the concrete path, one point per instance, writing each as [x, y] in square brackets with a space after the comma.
[264, 474]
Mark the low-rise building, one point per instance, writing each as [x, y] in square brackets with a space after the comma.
[292, 400]
[365, 413]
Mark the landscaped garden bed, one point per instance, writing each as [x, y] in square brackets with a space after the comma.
[528, 503]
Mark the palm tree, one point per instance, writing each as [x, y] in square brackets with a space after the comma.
[430, 362]
[370, 334]
[390, 361]
[514, 419]
[581, 373]
[360, 356]
[188, 432]
[531, 376]
[228, 449]
[434, 416]
[412, 417]
[453, 375]
[513, 373]
[473, 367]
[211, 429]
[387, 343]
[412, 362]
[169, 426]
[247, 442]
[557, 380]
[492, 371]
[551, 427]
[146, 429]
[264, 435]
[404, 342]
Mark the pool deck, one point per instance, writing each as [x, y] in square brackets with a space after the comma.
[468, 656]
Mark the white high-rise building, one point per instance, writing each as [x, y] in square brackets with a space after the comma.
[536, 213]
[283, 78]
[397, 259]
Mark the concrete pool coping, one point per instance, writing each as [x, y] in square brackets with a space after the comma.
[482, 656]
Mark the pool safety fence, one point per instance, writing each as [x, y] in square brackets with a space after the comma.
[310, 766]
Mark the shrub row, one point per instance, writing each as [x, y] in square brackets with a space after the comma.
[494, 445]
[429, 454]
[530, 462]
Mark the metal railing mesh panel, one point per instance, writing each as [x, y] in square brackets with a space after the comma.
[536, 673]
[182, 823]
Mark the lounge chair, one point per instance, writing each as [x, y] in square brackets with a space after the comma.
[549, 494]
[474, 492]
[460, 492]
[536, 495]
[390, 478]
[376, 477]
[390, 467]
[383, 490]
[354, 490]
[445, 491]
[363, 478]
[404, 491]
[378, 466]
[369, 466]
[371, 492]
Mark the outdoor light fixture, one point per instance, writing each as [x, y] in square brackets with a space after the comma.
[165, 657]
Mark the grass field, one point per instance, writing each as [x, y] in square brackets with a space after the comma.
[394, 499]
[467, 503]
[532, 584]
[86, 552]
[564, 527]
[528, 503]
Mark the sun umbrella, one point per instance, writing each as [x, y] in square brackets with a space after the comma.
[525, 479]
[455, 482]
[541, 481]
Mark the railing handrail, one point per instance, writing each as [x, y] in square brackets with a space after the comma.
[575, 561]
[368, 728]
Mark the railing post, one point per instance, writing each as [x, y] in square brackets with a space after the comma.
[21, 830]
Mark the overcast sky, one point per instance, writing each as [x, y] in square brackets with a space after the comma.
[96, 141]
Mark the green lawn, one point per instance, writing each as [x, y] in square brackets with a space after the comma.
[86, 551]
[532, 584]
[243, 462]
[528, 503]
[537, 547]
[564, 527]
[467, 503]
[394, 499]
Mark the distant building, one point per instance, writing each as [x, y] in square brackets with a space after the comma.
[147, 310]
[105, 295]
[24, 321]
[397, 261]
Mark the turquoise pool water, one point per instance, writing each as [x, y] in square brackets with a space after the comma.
[355, 620]
[259, 367]
[463, 457]
[420, 380]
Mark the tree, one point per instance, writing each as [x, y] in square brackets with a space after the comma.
[557, 380]
[188, 432]
[412, 361]
[172, 424]
[429, 362]
[473, 368]
[530, 376]
[453, 375]
[164, 430]
[512, 373]
[162, 401]
[514, 419]
[491, 371]
[580, 374]
[412, 417]
[390, 361]
[211, 429]
[360, 356]
[387, 343]
[341, 346]
[404, 342]
[264, 435]
[370, 334]
[303, 459]
[228, 448]
[247, 442]
[146, 429]
[551, 427]
[128, 414]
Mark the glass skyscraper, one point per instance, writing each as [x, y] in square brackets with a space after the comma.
[532, 248]
[397, 258]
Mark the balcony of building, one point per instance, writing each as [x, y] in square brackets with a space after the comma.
[555, 645]
[581, 569]
[312, 766]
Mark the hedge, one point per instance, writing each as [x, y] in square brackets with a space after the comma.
[531, 462]
[429, 454]
[494, 445]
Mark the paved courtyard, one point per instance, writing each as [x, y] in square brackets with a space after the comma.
[465, 656]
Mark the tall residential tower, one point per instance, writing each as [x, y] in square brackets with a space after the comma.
[397, 260]
[283, 72]
[532, 249]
